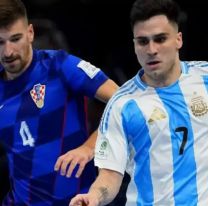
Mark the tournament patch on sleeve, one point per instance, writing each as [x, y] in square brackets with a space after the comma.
[102, 148]
[88, 68]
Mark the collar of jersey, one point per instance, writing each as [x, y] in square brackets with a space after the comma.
[142, 85]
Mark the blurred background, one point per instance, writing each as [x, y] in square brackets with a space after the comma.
[99, 32]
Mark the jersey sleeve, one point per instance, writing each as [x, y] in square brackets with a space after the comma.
[81, 76]
[111, 146]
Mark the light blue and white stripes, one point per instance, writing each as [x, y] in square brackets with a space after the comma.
[160, 136]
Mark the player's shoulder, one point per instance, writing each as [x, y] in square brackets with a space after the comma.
[124, 93]
[194, 67]
[42, 54]
[195, 64]
[57, 58]
[50, 54]
[118, 101]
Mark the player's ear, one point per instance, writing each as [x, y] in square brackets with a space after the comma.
[179, 40]
[30, 31]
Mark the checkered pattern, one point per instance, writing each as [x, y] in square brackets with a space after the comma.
[38, 92]
[57, 127]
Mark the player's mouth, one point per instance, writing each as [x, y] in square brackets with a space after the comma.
[153, 64]
[9, 60]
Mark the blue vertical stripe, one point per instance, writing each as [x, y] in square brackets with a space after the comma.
[205, 78]
[137, 132]
[184, 165]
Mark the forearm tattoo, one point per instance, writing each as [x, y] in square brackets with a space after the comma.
[103, 192]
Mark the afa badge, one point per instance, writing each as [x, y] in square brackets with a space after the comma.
[198, 106]
[38, 95]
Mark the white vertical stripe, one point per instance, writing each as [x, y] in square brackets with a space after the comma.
[200, 131]
[161, 149]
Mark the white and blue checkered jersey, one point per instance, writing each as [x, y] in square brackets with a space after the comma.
[160, 137]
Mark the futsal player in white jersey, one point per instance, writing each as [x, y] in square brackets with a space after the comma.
[156, 126]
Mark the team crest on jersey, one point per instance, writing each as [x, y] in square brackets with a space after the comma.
[38, 95]
[198, 106]
[157, 114]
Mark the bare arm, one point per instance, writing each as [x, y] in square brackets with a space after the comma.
[106, 90]
[102, 191]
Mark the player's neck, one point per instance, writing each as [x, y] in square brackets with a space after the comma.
[163, 79]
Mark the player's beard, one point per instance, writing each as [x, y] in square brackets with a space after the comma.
[16, 63]
[13, 66]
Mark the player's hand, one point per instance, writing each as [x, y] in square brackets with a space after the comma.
[76, 157]
[84, 200]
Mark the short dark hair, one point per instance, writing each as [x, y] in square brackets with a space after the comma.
[145, 9]
[10, 11]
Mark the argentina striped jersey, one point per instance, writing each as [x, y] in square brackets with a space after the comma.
[160, 137]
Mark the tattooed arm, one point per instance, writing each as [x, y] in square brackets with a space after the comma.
[102, 191]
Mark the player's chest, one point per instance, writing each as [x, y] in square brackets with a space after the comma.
[36, 98]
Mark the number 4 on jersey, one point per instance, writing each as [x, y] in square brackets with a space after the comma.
[26, 135]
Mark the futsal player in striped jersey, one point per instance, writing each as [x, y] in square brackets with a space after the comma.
[42, 115]
[156, 126]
